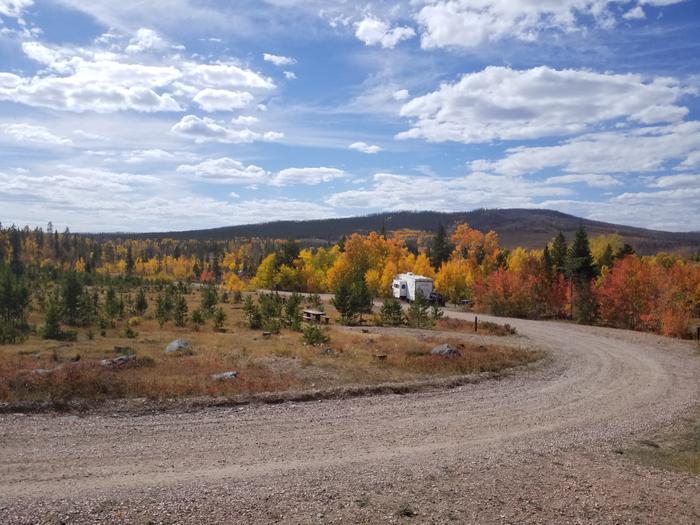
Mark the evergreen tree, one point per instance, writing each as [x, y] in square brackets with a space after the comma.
[129, 261]
[163, 309]
[71, 292]
[209, 300]
[580, 267]
[441, 249]
[218, 319]
[581, 271]
[624, 251]
[391, 313]
[141, 303]
[559, 253]
[16, 265]
[252, 313]
[14, 302]
[111, 305]
[418, 313]
[180, 310]
[52, 319]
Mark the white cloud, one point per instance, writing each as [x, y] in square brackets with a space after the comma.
[146, 40]
[30, 133]
[230, 171]
[209, 130]
[470, 23]
[80, 79]
[290, 75]
[14, 8]
[373, 31]
[638, 150]
[401, 94]
[244, 120]
[278, 60]
[363, 147]
[402, 192]
[636, 13]
[594, 180]
[677, 181]
[307, 176]
[500, 103]
[226, 170]
[222, 99]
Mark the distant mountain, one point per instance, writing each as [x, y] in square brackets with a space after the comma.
[531, 228]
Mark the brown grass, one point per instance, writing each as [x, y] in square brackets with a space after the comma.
[483, 327]
[265, 364]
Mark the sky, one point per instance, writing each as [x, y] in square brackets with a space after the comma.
[190, 114]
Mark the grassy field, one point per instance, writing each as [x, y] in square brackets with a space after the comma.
[54, 371]
[676, 451]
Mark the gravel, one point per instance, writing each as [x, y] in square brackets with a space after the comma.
[537, 446]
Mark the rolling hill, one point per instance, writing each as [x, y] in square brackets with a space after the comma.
[516, 227]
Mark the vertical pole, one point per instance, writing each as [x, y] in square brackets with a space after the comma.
[476, 323]
[698, 334]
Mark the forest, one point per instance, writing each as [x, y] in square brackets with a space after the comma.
[72, 280]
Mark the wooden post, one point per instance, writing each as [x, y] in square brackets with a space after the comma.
[698, 334]
[476, 324]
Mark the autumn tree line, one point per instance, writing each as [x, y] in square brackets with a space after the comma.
[594, 281]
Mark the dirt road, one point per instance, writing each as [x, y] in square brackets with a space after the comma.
[540, 446]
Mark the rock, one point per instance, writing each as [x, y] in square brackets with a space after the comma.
[327, 351]
[118, 362]
[225, 376]
[446, 350]
[178, 346]
[43, 371]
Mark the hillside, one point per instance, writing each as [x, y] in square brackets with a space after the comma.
[516, 227]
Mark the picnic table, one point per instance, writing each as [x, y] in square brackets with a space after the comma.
[315, 316]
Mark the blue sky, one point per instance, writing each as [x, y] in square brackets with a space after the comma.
[179, 114]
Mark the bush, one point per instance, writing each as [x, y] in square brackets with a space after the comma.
[218, 319]
[313, 334]
[391, 313]
[418, 314]
[252, 313]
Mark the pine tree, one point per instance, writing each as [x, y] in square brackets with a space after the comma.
[14, 302]
[559, 253]
[71, 292]
[418, 313]
[391, 313]
[440, 250]
[180, 310]
[581, 271]
[141, 303]
[218, 319]
[52, 320]
[129, 261]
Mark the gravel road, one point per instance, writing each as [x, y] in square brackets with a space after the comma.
[538, 446]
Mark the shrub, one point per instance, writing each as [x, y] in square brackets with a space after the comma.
[391, 313]
[252, 313]
[315, 335]
[218, 319]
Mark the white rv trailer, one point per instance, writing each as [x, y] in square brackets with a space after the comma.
[405, 286]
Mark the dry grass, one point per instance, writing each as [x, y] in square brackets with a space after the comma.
[678, 451]
[483, 327]
[265, 364]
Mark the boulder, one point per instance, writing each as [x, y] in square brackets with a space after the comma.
[118, 362]
[178, 346]
[446, 350]
[225, 376]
